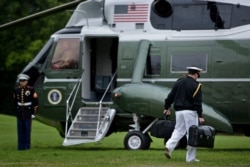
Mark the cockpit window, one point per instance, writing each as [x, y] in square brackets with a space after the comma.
[66, 54]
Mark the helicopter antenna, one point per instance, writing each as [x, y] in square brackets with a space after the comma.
[42, 13]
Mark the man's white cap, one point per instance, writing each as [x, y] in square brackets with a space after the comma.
[194, 69]
[23, 77]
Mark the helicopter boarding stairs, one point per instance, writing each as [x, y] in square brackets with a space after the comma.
[90, 124]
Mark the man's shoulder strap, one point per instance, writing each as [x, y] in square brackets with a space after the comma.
[197, 89]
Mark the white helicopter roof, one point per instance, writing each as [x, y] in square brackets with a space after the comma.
[124, 13]
[240, 2]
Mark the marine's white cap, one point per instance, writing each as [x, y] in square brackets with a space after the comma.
[23, 77]
[194, 68]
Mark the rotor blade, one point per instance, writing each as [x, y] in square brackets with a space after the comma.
[42, 13]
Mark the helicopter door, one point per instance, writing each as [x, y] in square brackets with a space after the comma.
[99, 64]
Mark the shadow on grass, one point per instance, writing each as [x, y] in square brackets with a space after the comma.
[80, 148]
[103, 148]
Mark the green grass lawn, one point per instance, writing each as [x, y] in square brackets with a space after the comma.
[47, 151]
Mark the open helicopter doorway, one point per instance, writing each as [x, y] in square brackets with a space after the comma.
[99, 65]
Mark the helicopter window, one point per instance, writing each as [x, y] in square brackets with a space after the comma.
[66, 54]
[43, 55]
[162, 8]
[240, 15]
[153, 66]
[191, 16]
[180, 62]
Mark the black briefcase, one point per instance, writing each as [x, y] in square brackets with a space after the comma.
[162, 128]
[201, 136]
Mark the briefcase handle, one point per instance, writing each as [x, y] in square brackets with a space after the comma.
[166, 117]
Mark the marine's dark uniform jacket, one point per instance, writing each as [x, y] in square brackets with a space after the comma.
[26, 101]
[186, 95]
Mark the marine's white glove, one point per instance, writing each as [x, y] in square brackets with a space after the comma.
[33, 116]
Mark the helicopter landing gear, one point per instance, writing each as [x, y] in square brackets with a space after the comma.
[135, 139]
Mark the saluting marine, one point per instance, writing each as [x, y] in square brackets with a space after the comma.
[26, 105]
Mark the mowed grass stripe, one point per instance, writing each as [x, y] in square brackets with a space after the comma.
[47, 151]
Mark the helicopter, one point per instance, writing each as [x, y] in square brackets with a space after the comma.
[113, 64]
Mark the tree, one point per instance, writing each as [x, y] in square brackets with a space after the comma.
[21, 42]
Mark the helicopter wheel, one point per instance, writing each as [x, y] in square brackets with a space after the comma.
[136, 140]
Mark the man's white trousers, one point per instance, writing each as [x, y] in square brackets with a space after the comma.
[184, 119]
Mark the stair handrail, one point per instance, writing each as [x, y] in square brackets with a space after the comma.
[100, 105]
[70, 106]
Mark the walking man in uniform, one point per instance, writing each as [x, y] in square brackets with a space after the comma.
[187, 98]
[26, 105]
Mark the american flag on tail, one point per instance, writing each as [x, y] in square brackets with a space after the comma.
[131, 13]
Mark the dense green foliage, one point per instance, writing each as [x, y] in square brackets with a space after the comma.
[22, 41]
[47, 151]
